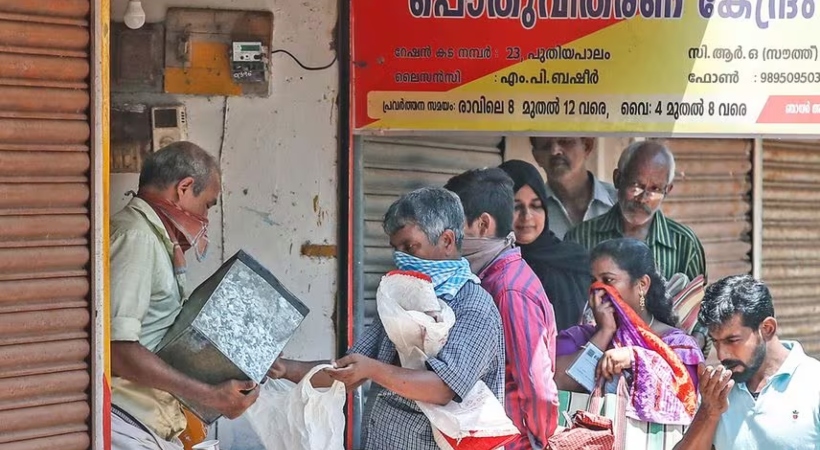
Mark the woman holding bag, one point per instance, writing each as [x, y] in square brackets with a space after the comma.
[635, 331]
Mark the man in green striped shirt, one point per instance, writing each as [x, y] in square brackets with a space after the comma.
[644, 177]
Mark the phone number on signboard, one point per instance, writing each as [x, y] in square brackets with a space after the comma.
[789, 77]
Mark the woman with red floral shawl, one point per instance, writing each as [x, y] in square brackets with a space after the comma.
[635, 328]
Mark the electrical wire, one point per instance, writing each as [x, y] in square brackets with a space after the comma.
[327, 66]
[220, 157]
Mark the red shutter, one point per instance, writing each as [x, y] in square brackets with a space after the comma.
[45, 312]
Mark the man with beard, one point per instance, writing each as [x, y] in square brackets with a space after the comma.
[644, 178]
[765, 394]
[574, 193]
[526, 313]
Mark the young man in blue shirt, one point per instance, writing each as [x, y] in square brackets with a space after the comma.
[765, 394]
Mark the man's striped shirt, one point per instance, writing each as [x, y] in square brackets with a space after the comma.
[529, 336]
[675, 246]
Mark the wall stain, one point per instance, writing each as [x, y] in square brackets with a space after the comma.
[320, 251]
[321, 214]
[265, 216]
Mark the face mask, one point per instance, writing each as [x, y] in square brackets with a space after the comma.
[481, 252]
[448, 275]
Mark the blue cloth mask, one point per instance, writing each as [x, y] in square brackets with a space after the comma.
[448, 276]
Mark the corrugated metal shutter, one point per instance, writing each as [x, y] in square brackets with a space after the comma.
[393, 166]
[44, 224]
[712, 195]
[791, 237]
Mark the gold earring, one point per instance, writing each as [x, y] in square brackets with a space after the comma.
[643, 301]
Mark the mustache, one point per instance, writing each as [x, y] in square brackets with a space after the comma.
[558, 159]
[730, 364]
[635, 207]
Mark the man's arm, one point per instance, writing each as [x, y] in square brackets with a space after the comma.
[295, 371]
[531, 363]
[453, 372]
[132, 361]
[418, 385]
[473, 343]
[133, 256]
[715, 385]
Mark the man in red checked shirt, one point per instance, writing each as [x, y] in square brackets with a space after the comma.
[531, 396]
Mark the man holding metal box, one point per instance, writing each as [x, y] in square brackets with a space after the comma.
[149, 237]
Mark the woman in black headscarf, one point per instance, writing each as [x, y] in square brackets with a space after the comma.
[562, 267]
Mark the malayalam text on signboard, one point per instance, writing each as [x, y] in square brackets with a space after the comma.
[587, 66]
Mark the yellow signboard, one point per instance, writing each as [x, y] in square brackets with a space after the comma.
[723, 67]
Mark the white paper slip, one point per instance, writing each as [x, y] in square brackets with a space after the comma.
[582, 369]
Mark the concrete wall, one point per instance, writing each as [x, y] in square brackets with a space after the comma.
[279, 158]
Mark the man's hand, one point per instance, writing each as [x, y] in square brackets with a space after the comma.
[715, 385]
[614, 362]
[232, 397]
[278, 370]
[353, 370]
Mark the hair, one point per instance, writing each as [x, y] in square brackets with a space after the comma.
[635, 258]
[486, 191]
[587, 142]
[737, 294]
[433, 209]
[650, 148]
[175, 162]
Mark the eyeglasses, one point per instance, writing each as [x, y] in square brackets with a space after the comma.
[635, 190]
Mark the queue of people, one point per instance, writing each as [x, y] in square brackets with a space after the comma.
[535, 273]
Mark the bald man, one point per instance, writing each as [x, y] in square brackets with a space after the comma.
[644, 177]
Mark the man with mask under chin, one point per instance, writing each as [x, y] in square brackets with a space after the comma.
[765, 394]
[149, 238]
[425, 228]
[526, 313]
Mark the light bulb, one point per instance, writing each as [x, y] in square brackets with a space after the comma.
[134, 15]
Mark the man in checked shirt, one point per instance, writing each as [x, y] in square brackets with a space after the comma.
[426, 228]
[526, 312]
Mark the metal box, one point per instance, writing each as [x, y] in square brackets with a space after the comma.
[233, 326]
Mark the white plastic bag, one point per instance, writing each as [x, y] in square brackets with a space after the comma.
[299, 417]
[415, 320]
[418, 324]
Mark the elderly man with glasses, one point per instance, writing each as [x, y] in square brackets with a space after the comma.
[644, 177]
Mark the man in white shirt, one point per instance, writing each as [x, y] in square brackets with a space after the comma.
[765, 394]
[574, 193]
[149, 238]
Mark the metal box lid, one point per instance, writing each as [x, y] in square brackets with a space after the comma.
[233, 326]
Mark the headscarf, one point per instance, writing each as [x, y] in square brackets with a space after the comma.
[662, 389]
[186, 230]
[562, 267]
